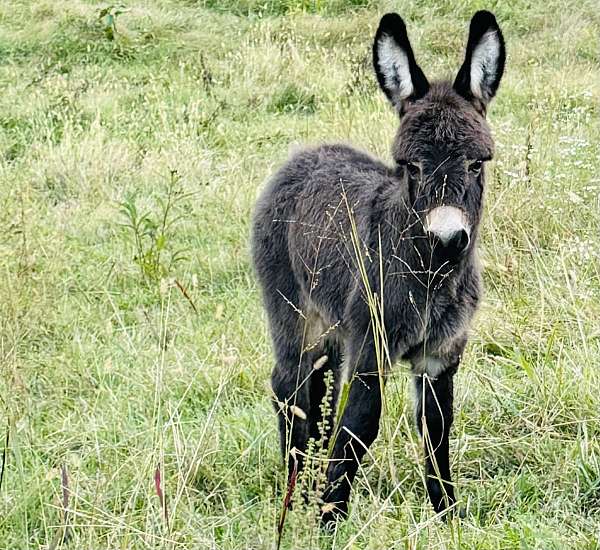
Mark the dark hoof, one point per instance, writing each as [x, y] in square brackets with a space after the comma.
[331, 514]
[451, 510]
[442, 498]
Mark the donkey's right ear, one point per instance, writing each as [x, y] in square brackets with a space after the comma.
[398, 74]
[479, 77]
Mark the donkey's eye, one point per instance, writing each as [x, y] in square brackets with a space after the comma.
[414, 170]
[475, 167]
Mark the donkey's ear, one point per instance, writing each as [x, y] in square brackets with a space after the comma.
[480, 74]
[398, 74]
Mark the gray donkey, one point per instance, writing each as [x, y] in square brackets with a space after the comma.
[362, 264]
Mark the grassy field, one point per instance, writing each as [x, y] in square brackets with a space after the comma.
[134, 357]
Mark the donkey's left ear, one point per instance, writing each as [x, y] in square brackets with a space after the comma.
[480, 74]
[399, 76]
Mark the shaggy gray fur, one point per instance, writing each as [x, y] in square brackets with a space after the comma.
[333, 208]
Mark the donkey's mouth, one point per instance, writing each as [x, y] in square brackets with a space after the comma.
[449, 232]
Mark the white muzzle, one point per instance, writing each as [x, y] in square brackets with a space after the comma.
[449, 225]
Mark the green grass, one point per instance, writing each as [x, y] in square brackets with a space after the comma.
[108, 373]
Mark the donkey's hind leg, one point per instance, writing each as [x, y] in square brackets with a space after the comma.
[299, 384]
[292, 404]
[291, 382]
[323, 398]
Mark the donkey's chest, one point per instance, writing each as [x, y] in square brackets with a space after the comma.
[438, 347]
[432, 323]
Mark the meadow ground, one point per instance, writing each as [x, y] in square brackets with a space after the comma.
[132, 337]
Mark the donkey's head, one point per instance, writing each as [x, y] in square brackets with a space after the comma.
[443, 141]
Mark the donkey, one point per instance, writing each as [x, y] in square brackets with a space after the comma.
[362, 264]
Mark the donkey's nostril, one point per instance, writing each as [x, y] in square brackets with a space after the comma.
[451, 245]
[459, 241]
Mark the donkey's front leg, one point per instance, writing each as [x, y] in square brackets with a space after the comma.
[357, 430]
[434, 399]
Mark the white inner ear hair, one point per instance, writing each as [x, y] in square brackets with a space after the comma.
[484, 65]
[393, 64]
